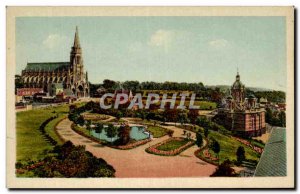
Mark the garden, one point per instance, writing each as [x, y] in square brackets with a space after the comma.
[170, 147]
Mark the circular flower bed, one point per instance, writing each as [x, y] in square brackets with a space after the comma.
[158, 149]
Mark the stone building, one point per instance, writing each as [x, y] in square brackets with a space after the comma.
[70, 74]
[242, 115]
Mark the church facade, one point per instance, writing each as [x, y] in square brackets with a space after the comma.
[242, 115]
[70, 74]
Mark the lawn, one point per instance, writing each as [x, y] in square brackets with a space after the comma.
[229, 147]
[172, 145]
[157, 131]
[50, 128]
[82, 130]
[30, 142]
[206, 105]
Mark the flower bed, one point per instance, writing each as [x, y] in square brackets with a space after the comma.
[204, 154]
[131, 145]
[154, 149]
[247, 143]
[94, 116]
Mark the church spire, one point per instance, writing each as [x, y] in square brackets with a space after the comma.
[76, 39]
[237, 75]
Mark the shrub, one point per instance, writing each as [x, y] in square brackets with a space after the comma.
[224, 170]
[199, 140]
[240, 154]
[70, 161]
[170, 133]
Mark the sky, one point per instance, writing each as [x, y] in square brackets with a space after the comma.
[181, 49]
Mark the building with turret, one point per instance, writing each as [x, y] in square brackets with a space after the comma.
[70, 75]
[242, 115]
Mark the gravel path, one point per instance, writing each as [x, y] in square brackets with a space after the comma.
[137, 162]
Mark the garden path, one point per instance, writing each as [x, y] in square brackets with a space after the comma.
[137, 162]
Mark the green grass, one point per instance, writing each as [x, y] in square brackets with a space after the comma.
[256, 143]
[206, 105]
[50, 128]
[157, 131]
[172, 145]
[229, 147]
[82, 129]
[30, 142]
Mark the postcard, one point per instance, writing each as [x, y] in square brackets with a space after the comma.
[150, 97]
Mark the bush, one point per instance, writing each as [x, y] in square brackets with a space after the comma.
[170, 133]
[199, 140]
[240, 154]
[70, 161]
[224, 170]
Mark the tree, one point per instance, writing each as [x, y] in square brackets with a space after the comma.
[150, 115]
[192, 115]
[170, 133]
[203, 122]
[108, 84]
[119, 115]
[124, 134]
[111, 131]
[71, 161]
[240, 154]
[182, 117]
[216, 147]
[72, 108]
[269, 115]
[188, 135]
[88, 126]
[206, 132]
[224, 170]
[282, 118]
[199, 140]
[80, 120]
[131, 85]
[99, 128]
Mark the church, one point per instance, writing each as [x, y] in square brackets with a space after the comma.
[243, 116]
[70, 75]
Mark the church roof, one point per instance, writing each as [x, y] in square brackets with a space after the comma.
[47, 66]
[237, 85]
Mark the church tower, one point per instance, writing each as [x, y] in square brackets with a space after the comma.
[238, 90]
[76, 60]
[79, 80]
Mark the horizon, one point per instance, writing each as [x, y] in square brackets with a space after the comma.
[174, 49]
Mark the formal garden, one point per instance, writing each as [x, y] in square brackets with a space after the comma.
[171, 147]
[124, 130]
[117, 132]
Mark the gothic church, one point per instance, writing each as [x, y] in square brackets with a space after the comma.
[70, 74]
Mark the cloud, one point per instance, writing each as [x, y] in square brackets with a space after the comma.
[161, 38]
[54, 40]
[218, 43]
[169, 39]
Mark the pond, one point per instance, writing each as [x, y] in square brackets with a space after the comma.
[136, 133]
